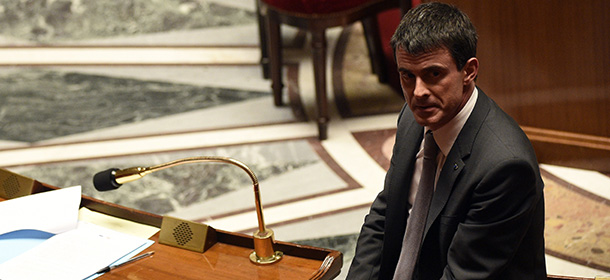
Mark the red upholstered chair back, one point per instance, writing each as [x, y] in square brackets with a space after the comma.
[315, 6]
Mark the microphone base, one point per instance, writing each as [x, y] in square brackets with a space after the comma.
[263, 248]
[266, 260]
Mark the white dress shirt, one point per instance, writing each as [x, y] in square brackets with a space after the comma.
[444, 137]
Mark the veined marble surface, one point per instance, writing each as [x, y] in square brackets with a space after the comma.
[39, 104]
[190, 186]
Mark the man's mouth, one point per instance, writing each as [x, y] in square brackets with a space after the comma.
[425, 108]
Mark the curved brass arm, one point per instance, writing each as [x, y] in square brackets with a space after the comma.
[263, 238]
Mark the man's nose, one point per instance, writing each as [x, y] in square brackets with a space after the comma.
[421, 89]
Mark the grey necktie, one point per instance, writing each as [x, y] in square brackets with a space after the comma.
[416, 222]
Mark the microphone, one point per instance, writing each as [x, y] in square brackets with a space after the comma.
[106, 180]
[114, 178]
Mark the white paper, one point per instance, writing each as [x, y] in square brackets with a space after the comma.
[52, 211]
[118, 224]
[75, 254]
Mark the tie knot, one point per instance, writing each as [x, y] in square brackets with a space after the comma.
[430, 147]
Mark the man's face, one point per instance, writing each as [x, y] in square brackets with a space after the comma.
[433, 87]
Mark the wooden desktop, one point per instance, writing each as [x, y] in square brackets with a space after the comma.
[227, 258]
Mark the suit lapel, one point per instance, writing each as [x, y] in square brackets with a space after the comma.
[410, 135]
[397, 185]
[401, 179]
[457, 158]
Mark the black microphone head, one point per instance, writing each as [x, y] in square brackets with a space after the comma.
[106, 180]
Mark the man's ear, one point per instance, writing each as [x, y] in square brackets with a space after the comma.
[471, 70]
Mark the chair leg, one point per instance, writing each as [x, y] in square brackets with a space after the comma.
[274, 46]
[373, 42]
[318, 43]
[262, 38]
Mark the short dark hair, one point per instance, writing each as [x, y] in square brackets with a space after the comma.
[431, 26]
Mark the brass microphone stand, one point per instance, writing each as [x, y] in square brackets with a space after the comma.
[263, 238]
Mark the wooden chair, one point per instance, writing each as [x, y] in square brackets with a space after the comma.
[315, 16]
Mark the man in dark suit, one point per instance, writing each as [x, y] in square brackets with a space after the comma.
[486, 216]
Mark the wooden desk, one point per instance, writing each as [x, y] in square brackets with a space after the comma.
[228, 258]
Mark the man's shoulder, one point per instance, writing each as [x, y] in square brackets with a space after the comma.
[499, 134]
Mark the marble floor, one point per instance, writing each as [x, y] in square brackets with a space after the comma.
[148, 97]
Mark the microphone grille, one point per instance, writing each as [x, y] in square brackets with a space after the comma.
[105, 180]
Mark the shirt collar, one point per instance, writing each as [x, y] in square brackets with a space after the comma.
[446, 135]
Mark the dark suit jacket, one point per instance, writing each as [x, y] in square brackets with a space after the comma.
[486, 220]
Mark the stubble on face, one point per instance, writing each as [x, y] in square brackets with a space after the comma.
[432, 85]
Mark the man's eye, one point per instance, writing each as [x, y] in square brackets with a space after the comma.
[408, 75]
[436, 73]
